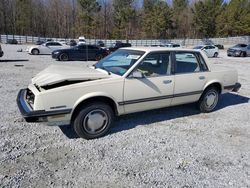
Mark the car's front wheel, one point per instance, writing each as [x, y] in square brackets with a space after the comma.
[35, 52]
[216, 54]
[64, 57]
[208, 100]
[93, 121]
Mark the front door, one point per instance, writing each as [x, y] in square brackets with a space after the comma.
[154, 89]
[190, 77]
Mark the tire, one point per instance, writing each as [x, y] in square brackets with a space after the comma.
[64, 57]
[35, 52]
[216, 54]
[98, 57]
[93, 121]
[243, 54]
[209, 100]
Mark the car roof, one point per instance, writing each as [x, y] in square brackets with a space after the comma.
[157, 49]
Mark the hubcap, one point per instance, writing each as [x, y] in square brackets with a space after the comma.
[211, 99]
[95, 121]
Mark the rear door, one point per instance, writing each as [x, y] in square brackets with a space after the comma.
[190, 77]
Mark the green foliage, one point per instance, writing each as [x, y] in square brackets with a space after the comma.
[125, 19]
[123, 13]
[24, 12]
[157, 19]
[205, 15]
[88, 9]
[181, 18]
[234, 19]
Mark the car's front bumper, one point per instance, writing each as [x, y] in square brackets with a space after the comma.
[234, 53]
[55, 55]
[31, 115]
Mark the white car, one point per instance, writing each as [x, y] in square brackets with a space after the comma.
[210, 50]
[127, 81]
[81, 40]
[46, 48]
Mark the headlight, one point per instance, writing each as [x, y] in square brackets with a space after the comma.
[56, 52]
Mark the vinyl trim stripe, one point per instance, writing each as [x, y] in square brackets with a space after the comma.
[159, 98]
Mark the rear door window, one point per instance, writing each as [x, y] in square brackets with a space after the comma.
[186, 62]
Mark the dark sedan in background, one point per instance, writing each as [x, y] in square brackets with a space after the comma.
[118, 45]
[80, 52]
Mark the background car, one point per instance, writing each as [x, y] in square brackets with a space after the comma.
[45, 49]
[1, 51]
[211, 50]
[72, 43]
[173, 45]
[39, 42]
[81, 40]
[239, 50]
[80, 52]
[100, 43]
[118, 45]
[219, 46]
[11, 41]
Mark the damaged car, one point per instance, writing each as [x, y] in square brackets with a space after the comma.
[126, 81]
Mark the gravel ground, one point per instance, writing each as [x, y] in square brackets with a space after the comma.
[172, 147]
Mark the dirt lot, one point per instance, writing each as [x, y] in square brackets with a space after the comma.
[173, 147]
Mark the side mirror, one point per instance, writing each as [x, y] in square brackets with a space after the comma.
[137, 74]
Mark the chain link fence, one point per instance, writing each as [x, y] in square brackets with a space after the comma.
[183, 42]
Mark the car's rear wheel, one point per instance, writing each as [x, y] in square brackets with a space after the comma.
[216, 54]
[208, 100]
[35, 52]
[93, 121]
[98, 57]
[64, 57]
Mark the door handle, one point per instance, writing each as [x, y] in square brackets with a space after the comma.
[167, 81]
[202, 77]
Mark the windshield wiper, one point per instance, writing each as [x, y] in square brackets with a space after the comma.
[106, 70]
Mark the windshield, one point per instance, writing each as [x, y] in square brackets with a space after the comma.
[240, 46]
[198, 47]
[119, 61]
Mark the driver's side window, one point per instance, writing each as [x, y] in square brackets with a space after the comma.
[156, 64]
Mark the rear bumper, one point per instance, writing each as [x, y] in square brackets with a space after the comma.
[31, 115]
[236, 87]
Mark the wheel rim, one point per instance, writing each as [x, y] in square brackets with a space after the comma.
[211, 99]
[64, 57]
[35, 52]
[95, 121]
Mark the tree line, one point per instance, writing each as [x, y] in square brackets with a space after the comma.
[125, 19]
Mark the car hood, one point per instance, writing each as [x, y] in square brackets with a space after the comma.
[55, 74]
